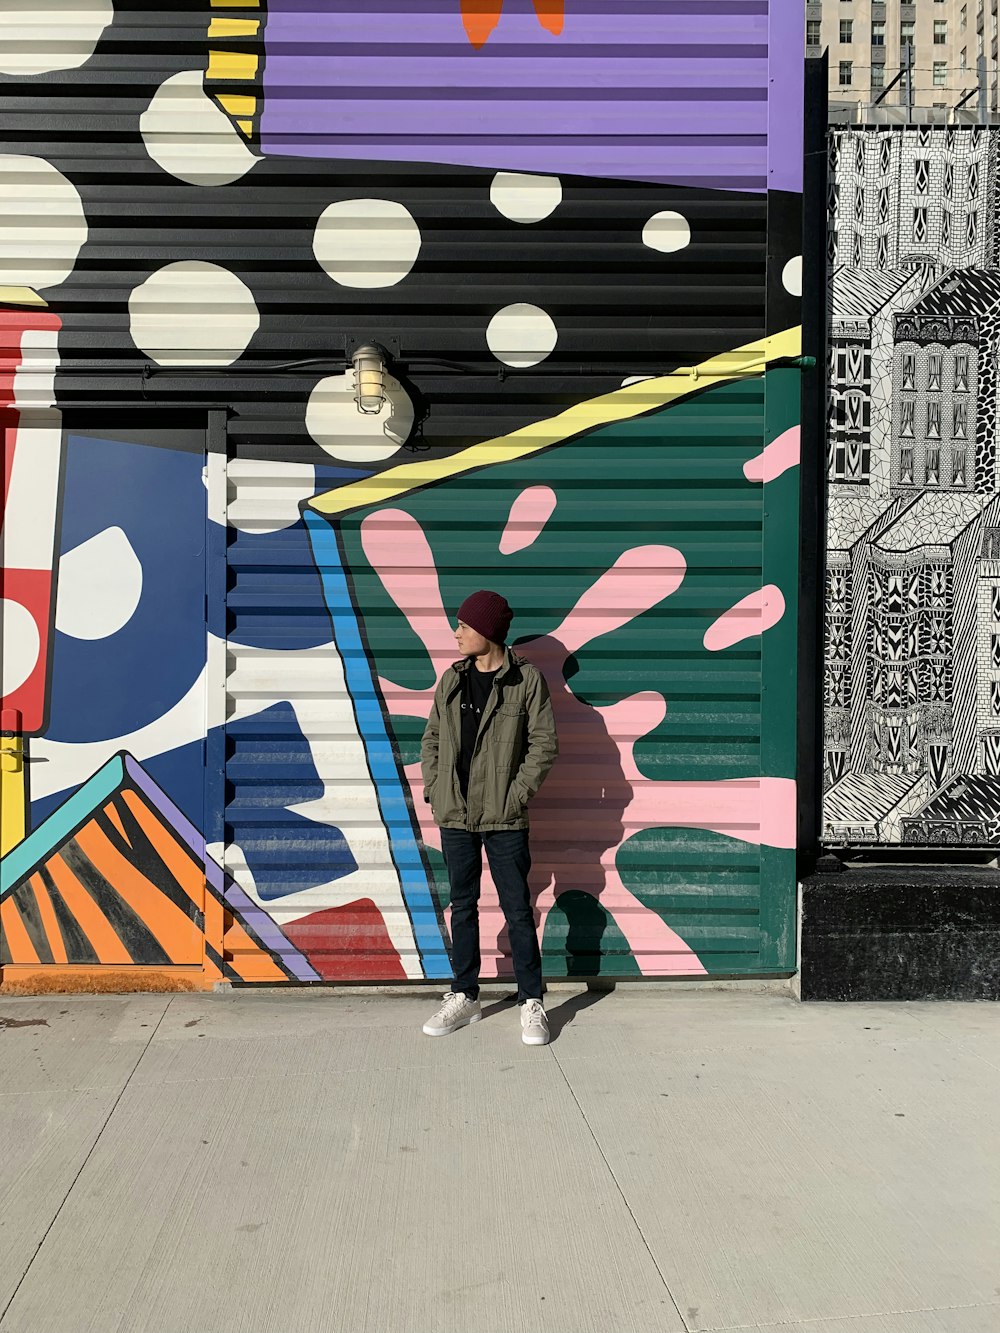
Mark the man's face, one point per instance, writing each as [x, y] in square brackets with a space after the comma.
[470, 644]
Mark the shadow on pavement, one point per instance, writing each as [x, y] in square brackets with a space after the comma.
[505, 1002]
[562, 1015]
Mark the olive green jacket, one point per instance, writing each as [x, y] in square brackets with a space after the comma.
[515, 749]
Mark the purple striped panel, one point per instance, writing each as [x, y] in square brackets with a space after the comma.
[670, 90]
[786, 105]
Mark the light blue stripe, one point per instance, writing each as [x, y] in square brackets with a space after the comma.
[381, 759]
[52, 832]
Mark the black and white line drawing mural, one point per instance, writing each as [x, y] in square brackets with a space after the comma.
[912, 653]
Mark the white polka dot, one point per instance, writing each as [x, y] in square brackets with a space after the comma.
[666, 232]
[791, 276]
[521, 335]
[190, 136]
[265, 495]
[525, 198]
[100, 583]
[21, 644]
[59, 34]
[42, 224]
[334, 422]
[193, 314]
[366, 242]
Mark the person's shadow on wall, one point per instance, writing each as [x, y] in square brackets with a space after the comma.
[577, 817]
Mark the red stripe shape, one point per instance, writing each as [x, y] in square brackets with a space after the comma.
[8, 427]
[32, 589]
[348, 943]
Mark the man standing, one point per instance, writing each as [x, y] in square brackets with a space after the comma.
[489, 743]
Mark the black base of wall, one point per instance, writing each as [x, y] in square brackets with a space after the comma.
[901, 933]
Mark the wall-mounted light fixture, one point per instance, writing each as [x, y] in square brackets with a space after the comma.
[369, 378]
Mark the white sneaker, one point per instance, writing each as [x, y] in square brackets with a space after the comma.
[534, 1024]
[456, 1011]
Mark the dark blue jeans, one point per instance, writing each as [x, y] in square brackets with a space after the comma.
[510, 862]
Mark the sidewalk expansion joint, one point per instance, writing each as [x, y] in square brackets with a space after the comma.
[624, 1197]
[859, 1319]
[72, 1185]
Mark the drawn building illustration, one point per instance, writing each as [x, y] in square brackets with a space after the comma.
[911, 196]
[911, 695]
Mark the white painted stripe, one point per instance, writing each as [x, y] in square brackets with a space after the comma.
[29, 519]
[214, 476]
[34, 379]
[312, 680]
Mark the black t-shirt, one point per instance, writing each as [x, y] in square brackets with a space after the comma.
[476, 687]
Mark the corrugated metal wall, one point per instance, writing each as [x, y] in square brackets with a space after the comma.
[528, 219]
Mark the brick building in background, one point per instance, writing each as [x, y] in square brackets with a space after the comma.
[943, 41]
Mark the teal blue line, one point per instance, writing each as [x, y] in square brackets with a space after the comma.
[50, 834]
[381, 759]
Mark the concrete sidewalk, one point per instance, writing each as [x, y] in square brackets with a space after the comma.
[295, 1162]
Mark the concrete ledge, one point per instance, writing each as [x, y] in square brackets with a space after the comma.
[892, 932]
[97, 979]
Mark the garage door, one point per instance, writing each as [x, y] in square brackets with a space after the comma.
[647, 542]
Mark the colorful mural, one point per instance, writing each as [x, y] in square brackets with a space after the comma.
[598, 801]
[220, 639]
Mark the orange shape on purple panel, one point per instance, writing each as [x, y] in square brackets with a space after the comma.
[482, 16]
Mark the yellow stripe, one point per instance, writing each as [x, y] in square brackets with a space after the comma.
[13, 807]
[20, 296]
[233, 27]
[240, 65]
[235, 4]
[246, 126]
[236, 104]
[633, 401]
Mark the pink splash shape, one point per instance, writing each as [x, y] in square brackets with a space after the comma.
[595, 797]
[636, 582]
[778, 457]
[753, 615]
[398, 551]
[754, 810]
[757, 810]
[778, 812]
[528, 516]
